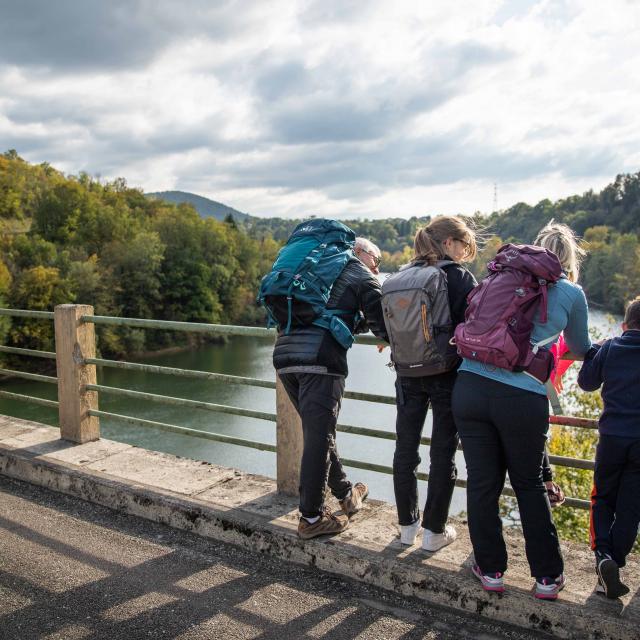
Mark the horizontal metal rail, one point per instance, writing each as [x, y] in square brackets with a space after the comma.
[185, 373]
[508, 491]
[182, 402]
[185, 431]
[33, 399]
[208, 375]
[26, 313]
[575, 463]
[572, 463]
[28, 352]
[190, 327]
[28, 376]
[570, 421]
[201, 327]
[356, 464]
[586, 423]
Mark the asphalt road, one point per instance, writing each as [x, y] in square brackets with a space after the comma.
[71, 570]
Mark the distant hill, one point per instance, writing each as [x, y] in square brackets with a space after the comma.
[205, 207]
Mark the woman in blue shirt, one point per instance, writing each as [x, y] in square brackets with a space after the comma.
[503, 419]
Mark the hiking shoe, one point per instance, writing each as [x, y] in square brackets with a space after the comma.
[409, 532]
[548, 587]
[556, 495]
[609, 579]
[433, 541]
[328, 524]
[490, 581]
[353, 502]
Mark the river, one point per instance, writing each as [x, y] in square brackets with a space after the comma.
[250, 357]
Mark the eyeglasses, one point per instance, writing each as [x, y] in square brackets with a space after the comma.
[467, 245]
[376, 259]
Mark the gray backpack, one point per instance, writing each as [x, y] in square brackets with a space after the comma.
[417, 316]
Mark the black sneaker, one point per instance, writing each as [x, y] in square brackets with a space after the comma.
[609, 579]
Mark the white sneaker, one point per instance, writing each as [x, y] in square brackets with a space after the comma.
[433, 541]
[409, 532]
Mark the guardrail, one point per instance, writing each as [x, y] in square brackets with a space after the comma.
[78, 393]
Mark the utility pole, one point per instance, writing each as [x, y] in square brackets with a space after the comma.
[495, 196]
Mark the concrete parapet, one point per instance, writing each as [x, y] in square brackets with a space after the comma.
[243, 509]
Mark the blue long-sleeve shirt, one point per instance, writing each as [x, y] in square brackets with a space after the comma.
[566, 311]
[616, 366]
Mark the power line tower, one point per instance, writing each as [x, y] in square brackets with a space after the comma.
[495, 196]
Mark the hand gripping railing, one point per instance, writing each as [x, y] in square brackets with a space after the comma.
[76, 361]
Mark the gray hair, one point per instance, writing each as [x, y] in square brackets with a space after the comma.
[366, 245]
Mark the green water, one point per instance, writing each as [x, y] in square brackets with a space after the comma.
[250, 357]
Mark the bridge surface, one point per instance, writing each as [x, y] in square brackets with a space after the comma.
[102, 568]
[72, 570]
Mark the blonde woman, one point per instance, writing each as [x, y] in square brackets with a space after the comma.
[503, 420]
[446, 238]
[559, 239]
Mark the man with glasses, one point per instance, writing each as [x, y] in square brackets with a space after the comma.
[312, 366]
[369, 254]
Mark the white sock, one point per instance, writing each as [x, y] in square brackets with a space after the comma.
[312, 520]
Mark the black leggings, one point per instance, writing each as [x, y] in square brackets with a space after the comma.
[504, 428]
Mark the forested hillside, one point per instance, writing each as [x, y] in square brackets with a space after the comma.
[608, 222]
[206, 207]
[73, 239]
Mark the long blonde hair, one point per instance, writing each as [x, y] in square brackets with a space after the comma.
[561, 239]
[428, 244]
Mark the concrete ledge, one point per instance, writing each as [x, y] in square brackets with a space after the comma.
[243, 509]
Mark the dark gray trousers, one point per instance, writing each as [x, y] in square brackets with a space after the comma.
[317, 399]
[413, 397]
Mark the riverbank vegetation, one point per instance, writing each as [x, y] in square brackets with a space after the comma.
[608, 222]
[74, 239]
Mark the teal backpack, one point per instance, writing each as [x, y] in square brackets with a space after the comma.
[296, 290]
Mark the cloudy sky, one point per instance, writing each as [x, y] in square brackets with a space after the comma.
[334, 107]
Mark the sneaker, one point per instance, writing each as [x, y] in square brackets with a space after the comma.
[353, 502]
[548, 587]
[328, 524]
[433, 541]
[490, 581]
[609, 579]
[409, 532]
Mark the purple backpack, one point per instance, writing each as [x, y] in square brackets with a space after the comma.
[499, 319]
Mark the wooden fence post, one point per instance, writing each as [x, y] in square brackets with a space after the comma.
[289, 443]
[75, 341]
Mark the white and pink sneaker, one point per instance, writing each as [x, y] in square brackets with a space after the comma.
[490, 581]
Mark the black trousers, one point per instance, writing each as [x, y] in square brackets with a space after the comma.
[317, 399]
[413, 397]
[615, 498]
[502, 429]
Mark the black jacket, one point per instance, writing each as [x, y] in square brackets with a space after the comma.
[356, 289]
[616, 366]
[460, 283]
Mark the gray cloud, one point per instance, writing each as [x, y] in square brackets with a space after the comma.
[358, 171]
[327, 121]
[68, 35]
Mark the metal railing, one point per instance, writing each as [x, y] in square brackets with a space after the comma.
[226, 330]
